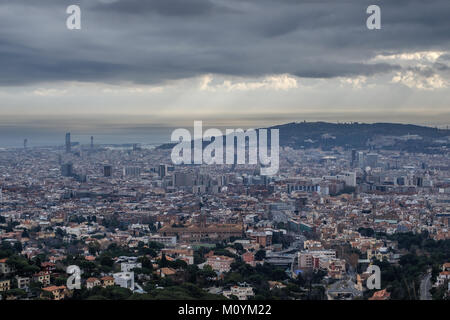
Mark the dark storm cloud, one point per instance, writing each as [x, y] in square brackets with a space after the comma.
[163, 7]
[331, 70]
[157, 40]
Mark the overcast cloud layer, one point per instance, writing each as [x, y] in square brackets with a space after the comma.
[150, 41]
[222, 46]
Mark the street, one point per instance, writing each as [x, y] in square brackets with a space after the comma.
[425, 286]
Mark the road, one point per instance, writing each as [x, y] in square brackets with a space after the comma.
[425, 286]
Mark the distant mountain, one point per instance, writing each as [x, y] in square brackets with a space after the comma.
[394, 136]
[406, 137]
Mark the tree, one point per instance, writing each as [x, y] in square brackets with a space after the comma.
[366, 232]
[94, 248]
[18, 247]
[238, 247]
[60, 233]
[163, 261]
[260, 255]
[106, 261]
[146, 263]
[47, 295]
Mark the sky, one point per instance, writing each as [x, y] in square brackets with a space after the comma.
[247, 63]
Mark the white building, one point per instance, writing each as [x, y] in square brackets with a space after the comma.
[241, 292]
[129, 266]
[166, 240]
[124, 279]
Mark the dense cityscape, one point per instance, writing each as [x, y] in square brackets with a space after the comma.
[139, 227]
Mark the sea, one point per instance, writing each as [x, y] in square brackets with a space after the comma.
[48, 137]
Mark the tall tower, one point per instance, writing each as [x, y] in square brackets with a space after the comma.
[162, 170]
[107, 170]
[25, 142]
[92, 142]
[354, 158]
[68, 145]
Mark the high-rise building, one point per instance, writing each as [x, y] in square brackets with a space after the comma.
[67, 169]
[92, 142]
[68, 144]
[349, 178]
[107, 170]
[162, 170]
[354, 158]
[25, 142]
[372, 160]
[181, 179]
[132, 171]
[360, 159]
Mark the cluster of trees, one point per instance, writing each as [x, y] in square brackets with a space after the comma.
[7, 249]
[403, 280]
[23, 266]
[185, 291]
[113, 222]
[100, 293]
[422, 254]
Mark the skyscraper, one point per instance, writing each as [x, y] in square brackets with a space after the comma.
[68, 145]
[361, 159]
[132, 171]
[92, 142]
[162, 170]
[354, 158]
[25, 141]
[372, 160]
[107, 170]
[67, 170]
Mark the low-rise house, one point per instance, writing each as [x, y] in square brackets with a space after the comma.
[5, 285]
[165, 272]
[48, 266]
[381, 295]
[107, 281]
[444, 275]
[129, 266]
[124, 279]
[185, 254]
[5, 269]
[220, 263]
[276, 285]
[93, 282]
[42, 277]
[249, 258]
[23, 282]
[58, 292]
[55, 259]
[242, 293]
